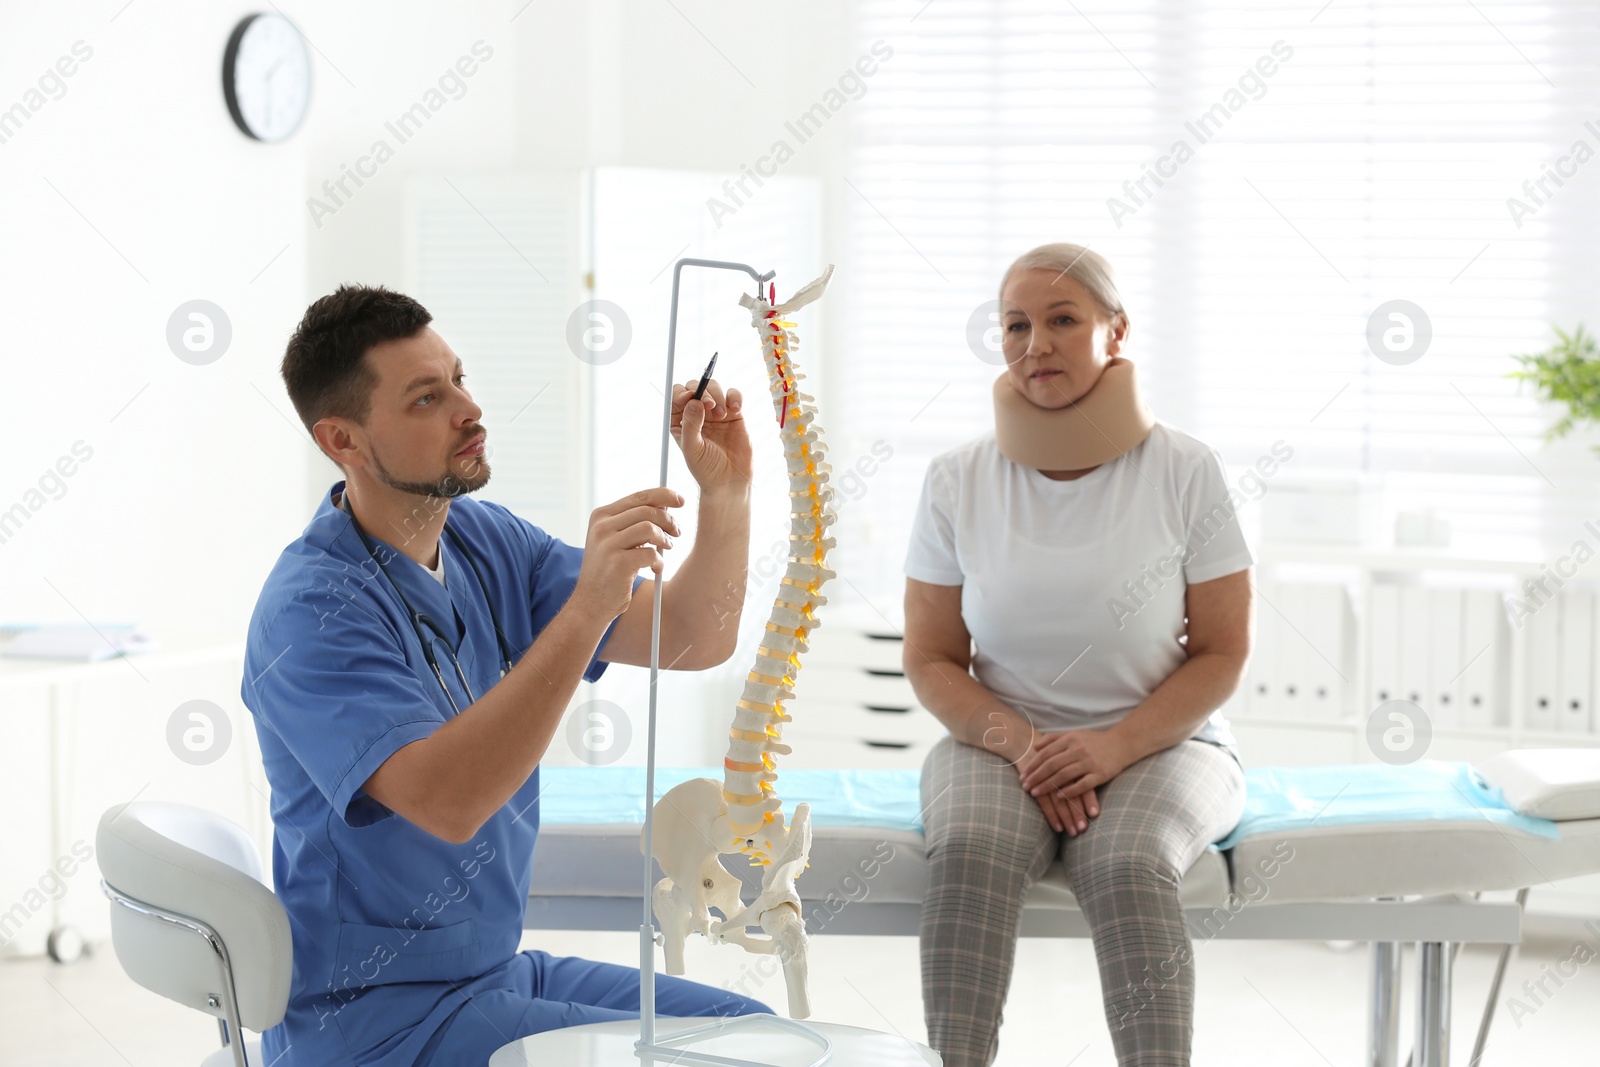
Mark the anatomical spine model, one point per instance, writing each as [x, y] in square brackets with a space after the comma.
[700, 821]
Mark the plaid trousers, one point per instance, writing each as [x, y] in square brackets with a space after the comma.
[987, 842]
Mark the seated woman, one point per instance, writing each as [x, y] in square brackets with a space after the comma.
[1092, 557]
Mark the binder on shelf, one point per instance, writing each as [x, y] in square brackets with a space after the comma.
[1415, 618]
[1542, 632]
[1445, 660]
[1383, 645]
[1293, 652]
[1261, 688]
[1575, 691]
[1327, 631]
[1483, 655]
[1237, 703]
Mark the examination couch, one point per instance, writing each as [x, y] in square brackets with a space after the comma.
[1375, 853]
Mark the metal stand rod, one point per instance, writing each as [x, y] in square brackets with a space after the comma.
[647, 942]
[1383, 1017]
[1433, 1004]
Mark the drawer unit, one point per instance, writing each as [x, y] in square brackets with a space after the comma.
[865, 685]
[862, 702]
[854, 752]
[845, 645]
[853, 705]
[871, 722]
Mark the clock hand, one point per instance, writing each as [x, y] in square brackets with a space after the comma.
[266, 88]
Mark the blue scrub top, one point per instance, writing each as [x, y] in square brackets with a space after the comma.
[388, 920]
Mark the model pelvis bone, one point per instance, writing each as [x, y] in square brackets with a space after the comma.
[698, 822]
[692, 833]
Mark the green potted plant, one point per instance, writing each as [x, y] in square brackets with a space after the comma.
[1568, 372]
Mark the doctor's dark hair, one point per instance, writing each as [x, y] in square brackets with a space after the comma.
[324, 366]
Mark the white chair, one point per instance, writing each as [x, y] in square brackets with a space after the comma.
[193, 920]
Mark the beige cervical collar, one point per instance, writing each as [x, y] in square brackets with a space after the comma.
[1104, 423]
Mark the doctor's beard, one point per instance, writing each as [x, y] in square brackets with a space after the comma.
[449, 484]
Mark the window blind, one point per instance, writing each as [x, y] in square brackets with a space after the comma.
[495, 257]
[1337, 159]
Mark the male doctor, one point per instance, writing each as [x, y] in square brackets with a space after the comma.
[405, 768]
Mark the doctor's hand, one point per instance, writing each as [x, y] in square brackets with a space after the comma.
[711, 434]
[624, 537]
[1073, 762]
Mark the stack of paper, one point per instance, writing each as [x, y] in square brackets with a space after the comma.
[82, 643]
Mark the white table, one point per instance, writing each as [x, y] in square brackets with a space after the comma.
[611, 1045]
[57, 678]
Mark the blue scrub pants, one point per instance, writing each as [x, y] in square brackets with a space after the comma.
[544, 992]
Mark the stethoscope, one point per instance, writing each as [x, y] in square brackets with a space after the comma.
[419, 620]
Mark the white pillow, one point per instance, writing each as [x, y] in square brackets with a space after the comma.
[1550, 783]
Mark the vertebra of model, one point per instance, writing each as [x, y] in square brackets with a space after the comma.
[702, 820]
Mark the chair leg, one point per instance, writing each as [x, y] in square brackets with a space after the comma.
[1383, 1017]
[1433, 1004]
[240, 1057]
[231, 1038]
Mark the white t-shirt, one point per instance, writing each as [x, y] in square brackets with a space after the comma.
[1073, 591]
[438, 572]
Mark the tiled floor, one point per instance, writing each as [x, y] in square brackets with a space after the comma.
[1277, 1004]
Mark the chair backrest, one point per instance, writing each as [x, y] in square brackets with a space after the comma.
[189, 863]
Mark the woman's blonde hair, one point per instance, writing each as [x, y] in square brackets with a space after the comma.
[1088, 268]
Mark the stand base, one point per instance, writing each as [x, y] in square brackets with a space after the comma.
[765, 1040]
[675, 1049]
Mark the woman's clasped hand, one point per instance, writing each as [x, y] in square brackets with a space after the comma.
[1062, 771]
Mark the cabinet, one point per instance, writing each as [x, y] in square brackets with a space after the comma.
[853, 705]
[82, 737]
[1451, 634]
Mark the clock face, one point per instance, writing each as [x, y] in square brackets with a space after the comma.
[266, 77]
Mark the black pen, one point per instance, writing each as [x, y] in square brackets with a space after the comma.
[706, 377]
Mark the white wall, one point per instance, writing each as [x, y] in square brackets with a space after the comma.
[133, 193]
[127, 196]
